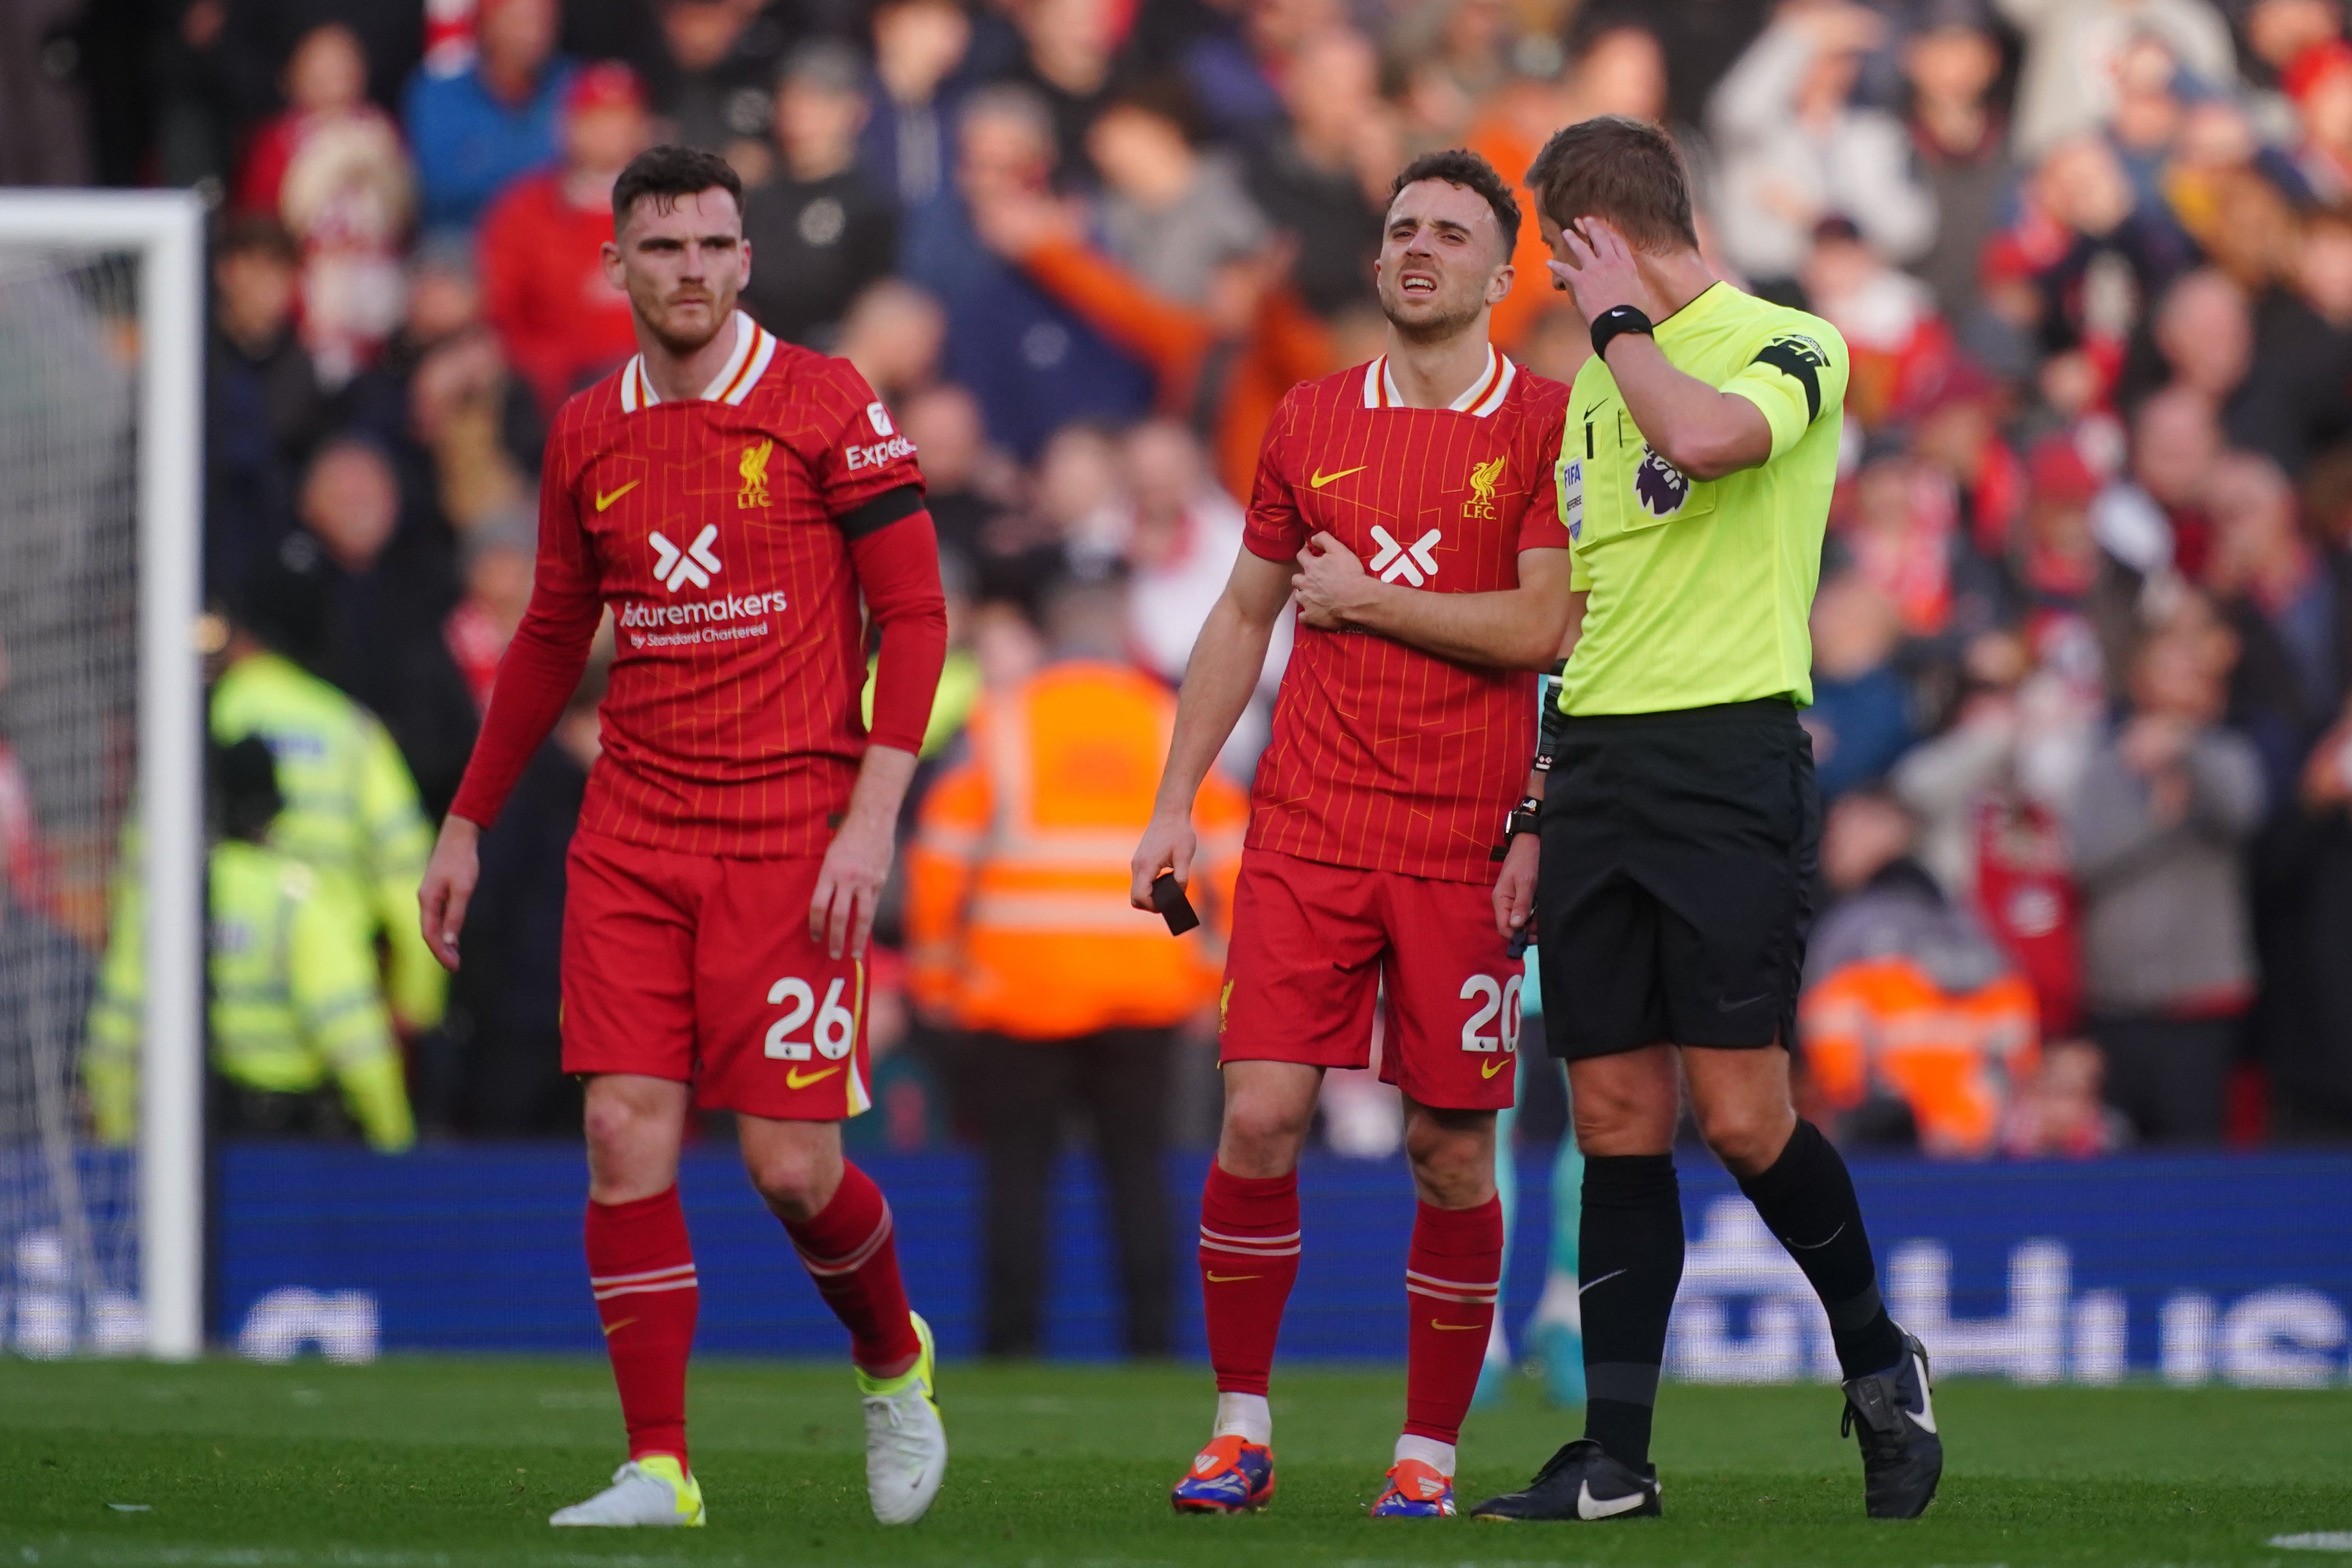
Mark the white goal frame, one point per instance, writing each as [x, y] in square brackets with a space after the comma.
[166, 229]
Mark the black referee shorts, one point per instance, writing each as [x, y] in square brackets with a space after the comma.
[1676, 885]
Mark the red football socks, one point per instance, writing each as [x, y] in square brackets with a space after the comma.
[1452, 1275]
[1249, 1259]
[641, 1268]
[849, 1251]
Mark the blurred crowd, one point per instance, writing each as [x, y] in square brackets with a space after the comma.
[2084, 640]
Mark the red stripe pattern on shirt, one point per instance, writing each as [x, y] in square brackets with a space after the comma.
[1384, 757]
[731, 725]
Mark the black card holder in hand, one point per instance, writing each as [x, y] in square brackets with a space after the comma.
[1168, 898]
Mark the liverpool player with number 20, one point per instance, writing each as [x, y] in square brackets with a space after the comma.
[1375, 815]
[729, 498]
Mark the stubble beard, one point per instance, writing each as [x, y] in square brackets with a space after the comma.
[680, 346]
[1436, 329]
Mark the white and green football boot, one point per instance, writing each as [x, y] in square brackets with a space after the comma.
[906, 1444]
[653, 1491]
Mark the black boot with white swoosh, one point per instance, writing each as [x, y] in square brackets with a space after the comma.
[1891, 1416]
[1581, 1481]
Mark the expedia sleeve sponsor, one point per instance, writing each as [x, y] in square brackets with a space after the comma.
[880, 454]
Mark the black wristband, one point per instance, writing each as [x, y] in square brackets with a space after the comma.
[1615, 320]
[1523, 819]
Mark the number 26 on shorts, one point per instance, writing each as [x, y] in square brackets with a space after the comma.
[837, 1025]
[1497, 999]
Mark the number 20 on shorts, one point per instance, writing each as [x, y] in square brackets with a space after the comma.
[1497, 998]
[835, 1030]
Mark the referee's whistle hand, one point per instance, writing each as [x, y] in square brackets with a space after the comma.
[1515, 890]
[1167, 845]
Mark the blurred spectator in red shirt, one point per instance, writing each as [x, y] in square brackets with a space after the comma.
[2060, 1113]
[331, 169]
[2319, 82]
[1900, 346]
[1956, 430]
[544, 284]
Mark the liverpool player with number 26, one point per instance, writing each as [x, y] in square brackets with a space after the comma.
[1376, 813]
[729, 498]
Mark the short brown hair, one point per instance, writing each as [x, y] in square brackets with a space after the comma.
[1622, 170]
[1460, 166]
[669, 175]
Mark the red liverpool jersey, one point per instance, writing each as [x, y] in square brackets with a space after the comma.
[1385, 757]
[714, 529]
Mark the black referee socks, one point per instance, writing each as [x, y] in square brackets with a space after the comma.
[1806, 1197]
[1630, 1260]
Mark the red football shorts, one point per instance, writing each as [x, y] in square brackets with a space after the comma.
[701, 971]
[1311, 945]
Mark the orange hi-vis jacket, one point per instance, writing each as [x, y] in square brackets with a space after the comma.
[1017, 915]
[1885, 1022]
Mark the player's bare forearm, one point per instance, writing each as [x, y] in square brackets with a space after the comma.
[1511, 628]
[857, 862]
[881, 788]
[1704, 431]
[1227, 657]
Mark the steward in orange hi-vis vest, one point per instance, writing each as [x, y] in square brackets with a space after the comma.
[1017, 914]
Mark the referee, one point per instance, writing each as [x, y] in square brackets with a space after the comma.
[1680, 825]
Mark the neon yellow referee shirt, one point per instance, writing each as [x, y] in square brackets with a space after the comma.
[1701, 590]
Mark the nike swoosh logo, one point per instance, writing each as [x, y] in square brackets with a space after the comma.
[1924, 1417]
[1490, 1069]
[1322, 479]
[792, 1079]
[1743, 1002]
[612, 1329]
[1230, 1278]
[1591, 1507]
[1594, 409]
[1452, 1326]
[603, 500]
[1603, 1280]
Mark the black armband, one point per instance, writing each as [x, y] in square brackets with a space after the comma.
[880, 511]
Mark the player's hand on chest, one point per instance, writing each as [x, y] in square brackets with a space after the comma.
[1445, 519]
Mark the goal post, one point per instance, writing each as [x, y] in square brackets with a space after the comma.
[164, 231]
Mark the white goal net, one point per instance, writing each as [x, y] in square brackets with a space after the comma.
[100, 1236]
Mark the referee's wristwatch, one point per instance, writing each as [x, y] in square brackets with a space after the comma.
[1616, 321]
[1521, 820]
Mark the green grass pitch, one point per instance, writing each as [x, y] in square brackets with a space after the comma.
[450, 1463]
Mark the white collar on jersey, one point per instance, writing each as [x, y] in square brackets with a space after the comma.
[1486, 393]
[754, 347]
